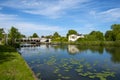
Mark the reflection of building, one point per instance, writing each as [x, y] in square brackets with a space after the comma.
[72, 49]
[74, 37]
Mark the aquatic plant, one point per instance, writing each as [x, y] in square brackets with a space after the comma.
[51, 61]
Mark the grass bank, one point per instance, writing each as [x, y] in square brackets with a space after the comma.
[92, 43]
[13, 66]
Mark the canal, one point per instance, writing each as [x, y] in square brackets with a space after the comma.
[73, 62]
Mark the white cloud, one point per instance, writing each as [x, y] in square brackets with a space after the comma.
[107, 16]
[6, 21]
[111, 14]
[7, 17]
[52, 9]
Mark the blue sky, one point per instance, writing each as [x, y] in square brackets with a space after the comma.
[45, 17]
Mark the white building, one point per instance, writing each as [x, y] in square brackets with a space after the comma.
[74, 37]
[45, 40]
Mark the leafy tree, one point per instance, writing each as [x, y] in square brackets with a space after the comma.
[115, 27]
[56, 37]
[48, 36]
[118, 37]
[56, 34]
[14, 34]
[64, 39]
[1, 32]
[23, 36]
[116, 30]
[95, 35]
[71, 32]
[109, 36]
[35, 35]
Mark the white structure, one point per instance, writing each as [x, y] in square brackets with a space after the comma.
[74, 37]
[45, 40]
[34, 40]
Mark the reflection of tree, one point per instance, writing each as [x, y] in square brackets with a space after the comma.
[62, 47]
[115, 52]
[73, 49]
[94, 49]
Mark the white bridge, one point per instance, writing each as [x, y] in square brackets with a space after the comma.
[34, 40]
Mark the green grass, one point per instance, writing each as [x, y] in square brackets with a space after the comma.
[13, 66]
[92, 43]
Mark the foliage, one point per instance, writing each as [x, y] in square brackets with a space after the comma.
[95, 36]
[118, 37]
[23, 36]
[1, 33]
[34, 35]
[109, 36]
[56, 37]
[64, 39]
[71, 32]
[116, 30]
[14, 34]
[56, 34]
[48, 36]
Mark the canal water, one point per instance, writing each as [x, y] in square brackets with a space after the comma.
[73, 62]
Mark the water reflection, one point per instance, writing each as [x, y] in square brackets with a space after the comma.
[75, 49]
[115, 53]
[73, 62]
[72, 49]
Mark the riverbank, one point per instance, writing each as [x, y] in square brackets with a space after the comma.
[91, 43]
[13, 66]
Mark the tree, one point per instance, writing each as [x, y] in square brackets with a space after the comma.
[14, 34]
[35, 35]
[71, 32]
[23, 36]
[109, 36]
[96, 35]
[56, 37]
[116, 30]
[115, 27]
[1, 32]
[118, 37]
[56, 34]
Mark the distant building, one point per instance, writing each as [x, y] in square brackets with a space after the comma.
[74, 37]
[42, 40]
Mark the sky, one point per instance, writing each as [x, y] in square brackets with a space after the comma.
[45, 17]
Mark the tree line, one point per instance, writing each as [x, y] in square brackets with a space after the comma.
[110, 35]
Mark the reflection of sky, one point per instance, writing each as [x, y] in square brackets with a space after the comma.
[41, 54]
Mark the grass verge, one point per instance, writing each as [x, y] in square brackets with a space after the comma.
[13, 66]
